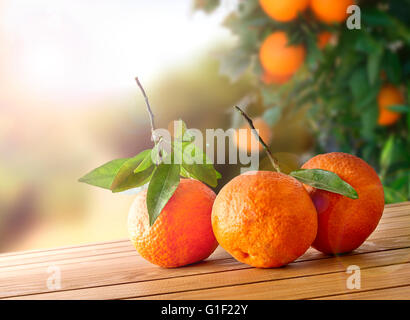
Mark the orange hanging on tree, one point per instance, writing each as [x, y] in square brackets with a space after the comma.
[283, 11]
[331, 11]
[268, 78]
[323, 39]
[278, 58]
[389, 96]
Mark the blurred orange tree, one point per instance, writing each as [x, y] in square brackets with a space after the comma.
[353, 83]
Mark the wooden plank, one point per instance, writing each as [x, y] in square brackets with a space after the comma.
[31, 279]
[103, 259]
[116, 264]
[70, 252]
[394, 219]
[80, 273]
[35, 252]
[396, 293]
[384, 233]
[398, 204]
[391, 210]
[301, 287]
[395, 212]
[236, 277]
[115, 247]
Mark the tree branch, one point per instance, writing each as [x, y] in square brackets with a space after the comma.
[151, 115]
[272, 159]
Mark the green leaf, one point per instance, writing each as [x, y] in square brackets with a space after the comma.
[207, 6]
[393, 196]
[247, 7]
[180, 131]
[104, 175]
[204, 171]
[272, 115]
[315, 55]
[400, 108]
[375, 17]
[359, 84]
[235, 63]
[155, 153]
[369, 122]
[127, 179]
[162, 186]
[325, 180]
[186, 174]
[369, 98]
[145, 163]
[408, 125]
[393, 67]
[269, 97]
[387, 154]
[373, 66]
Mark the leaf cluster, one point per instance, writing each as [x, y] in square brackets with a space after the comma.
[160, 168]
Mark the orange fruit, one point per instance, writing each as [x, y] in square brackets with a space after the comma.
[264, 219]
[182, 234]
[331, 11]
[252, 142]
[389, 96]
[268, 78]
[278, 58]
[344, 223]
[323, 39]
[283, 11]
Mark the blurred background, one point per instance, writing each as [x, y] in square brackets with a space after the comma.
[69, 103]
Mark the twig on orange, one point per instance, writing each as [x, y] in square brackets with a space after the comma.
[151, 115]
[154, 138]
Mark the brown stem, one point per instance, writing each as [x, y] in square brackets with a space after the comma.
[151, 115]
[272, 159]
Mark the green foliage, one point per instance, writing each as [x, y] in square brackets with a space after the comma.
[159, 168]
[104, 175]
[201, 171]
[339, 84]
[325, 180]
[206, 5]
[126, 178]
[161, 188]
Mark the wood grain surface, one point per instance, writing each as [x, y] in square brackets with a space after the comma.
[114, 270]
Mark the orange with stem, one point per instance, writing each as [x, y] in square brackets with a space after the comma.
[262, 218]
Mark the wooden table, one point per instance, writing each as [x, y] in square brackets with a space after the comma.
[114, 270]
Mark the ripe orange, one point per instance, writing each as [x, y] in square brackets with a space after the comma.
[331, 11]
[264, 219]
[252, 143]
[182, 234]
[283, 11]
[268, 78]
[323, 39]
[389, 96]
[278, 58]
[344, 224]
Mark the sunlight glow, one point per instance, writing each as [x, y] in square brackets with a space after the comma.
[89, 46]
